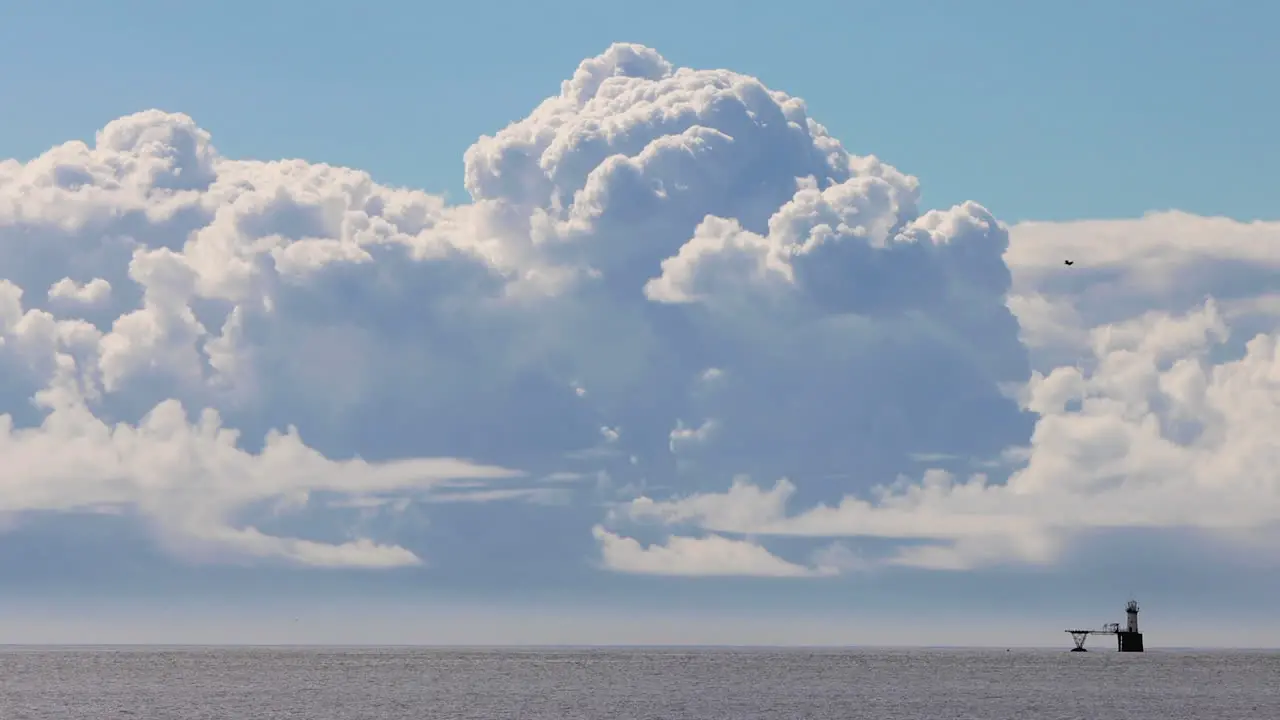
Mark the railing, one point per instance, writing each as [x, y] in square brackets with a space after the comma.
[1108, 629]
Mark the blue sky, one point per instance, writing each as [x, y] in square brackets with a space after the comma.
[1092, 109]
[628, 413]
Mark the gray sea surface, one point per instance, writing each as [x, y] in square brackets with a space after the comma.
[196, 683]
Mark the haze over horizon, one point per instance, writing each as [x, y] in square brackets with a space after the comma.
[752, 339]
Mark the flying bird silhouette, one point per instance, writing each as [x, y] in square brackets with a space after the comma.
[1069, 262]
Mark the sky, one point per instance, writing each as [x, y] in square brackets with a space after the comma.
[595, 324]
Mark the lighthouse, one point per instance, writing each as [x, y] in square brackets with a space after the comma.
[1130, 639]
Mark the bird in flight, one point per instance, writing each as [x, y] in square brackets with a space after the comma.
[1069, 262]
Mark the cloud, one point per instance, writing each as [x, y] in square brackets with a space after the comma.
[124, 407]
[189, 478]
[665, 278]
[709, 556]
[1166, 419]
[93, 292]
[1166, 262]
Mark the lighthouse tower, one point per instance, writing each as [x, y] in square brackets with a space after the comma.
[1130, 638]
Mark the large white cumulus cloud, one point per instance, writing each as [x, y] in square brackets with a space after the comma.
[1157, 393]
[666, 278]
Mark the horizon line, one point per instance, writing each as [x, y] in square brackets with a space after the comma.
[607, 646]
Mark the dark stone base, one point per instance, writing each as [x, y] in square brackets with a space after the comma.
[1130, 641]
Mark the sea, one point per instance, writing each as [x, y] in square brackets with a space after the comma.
[312, 683]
